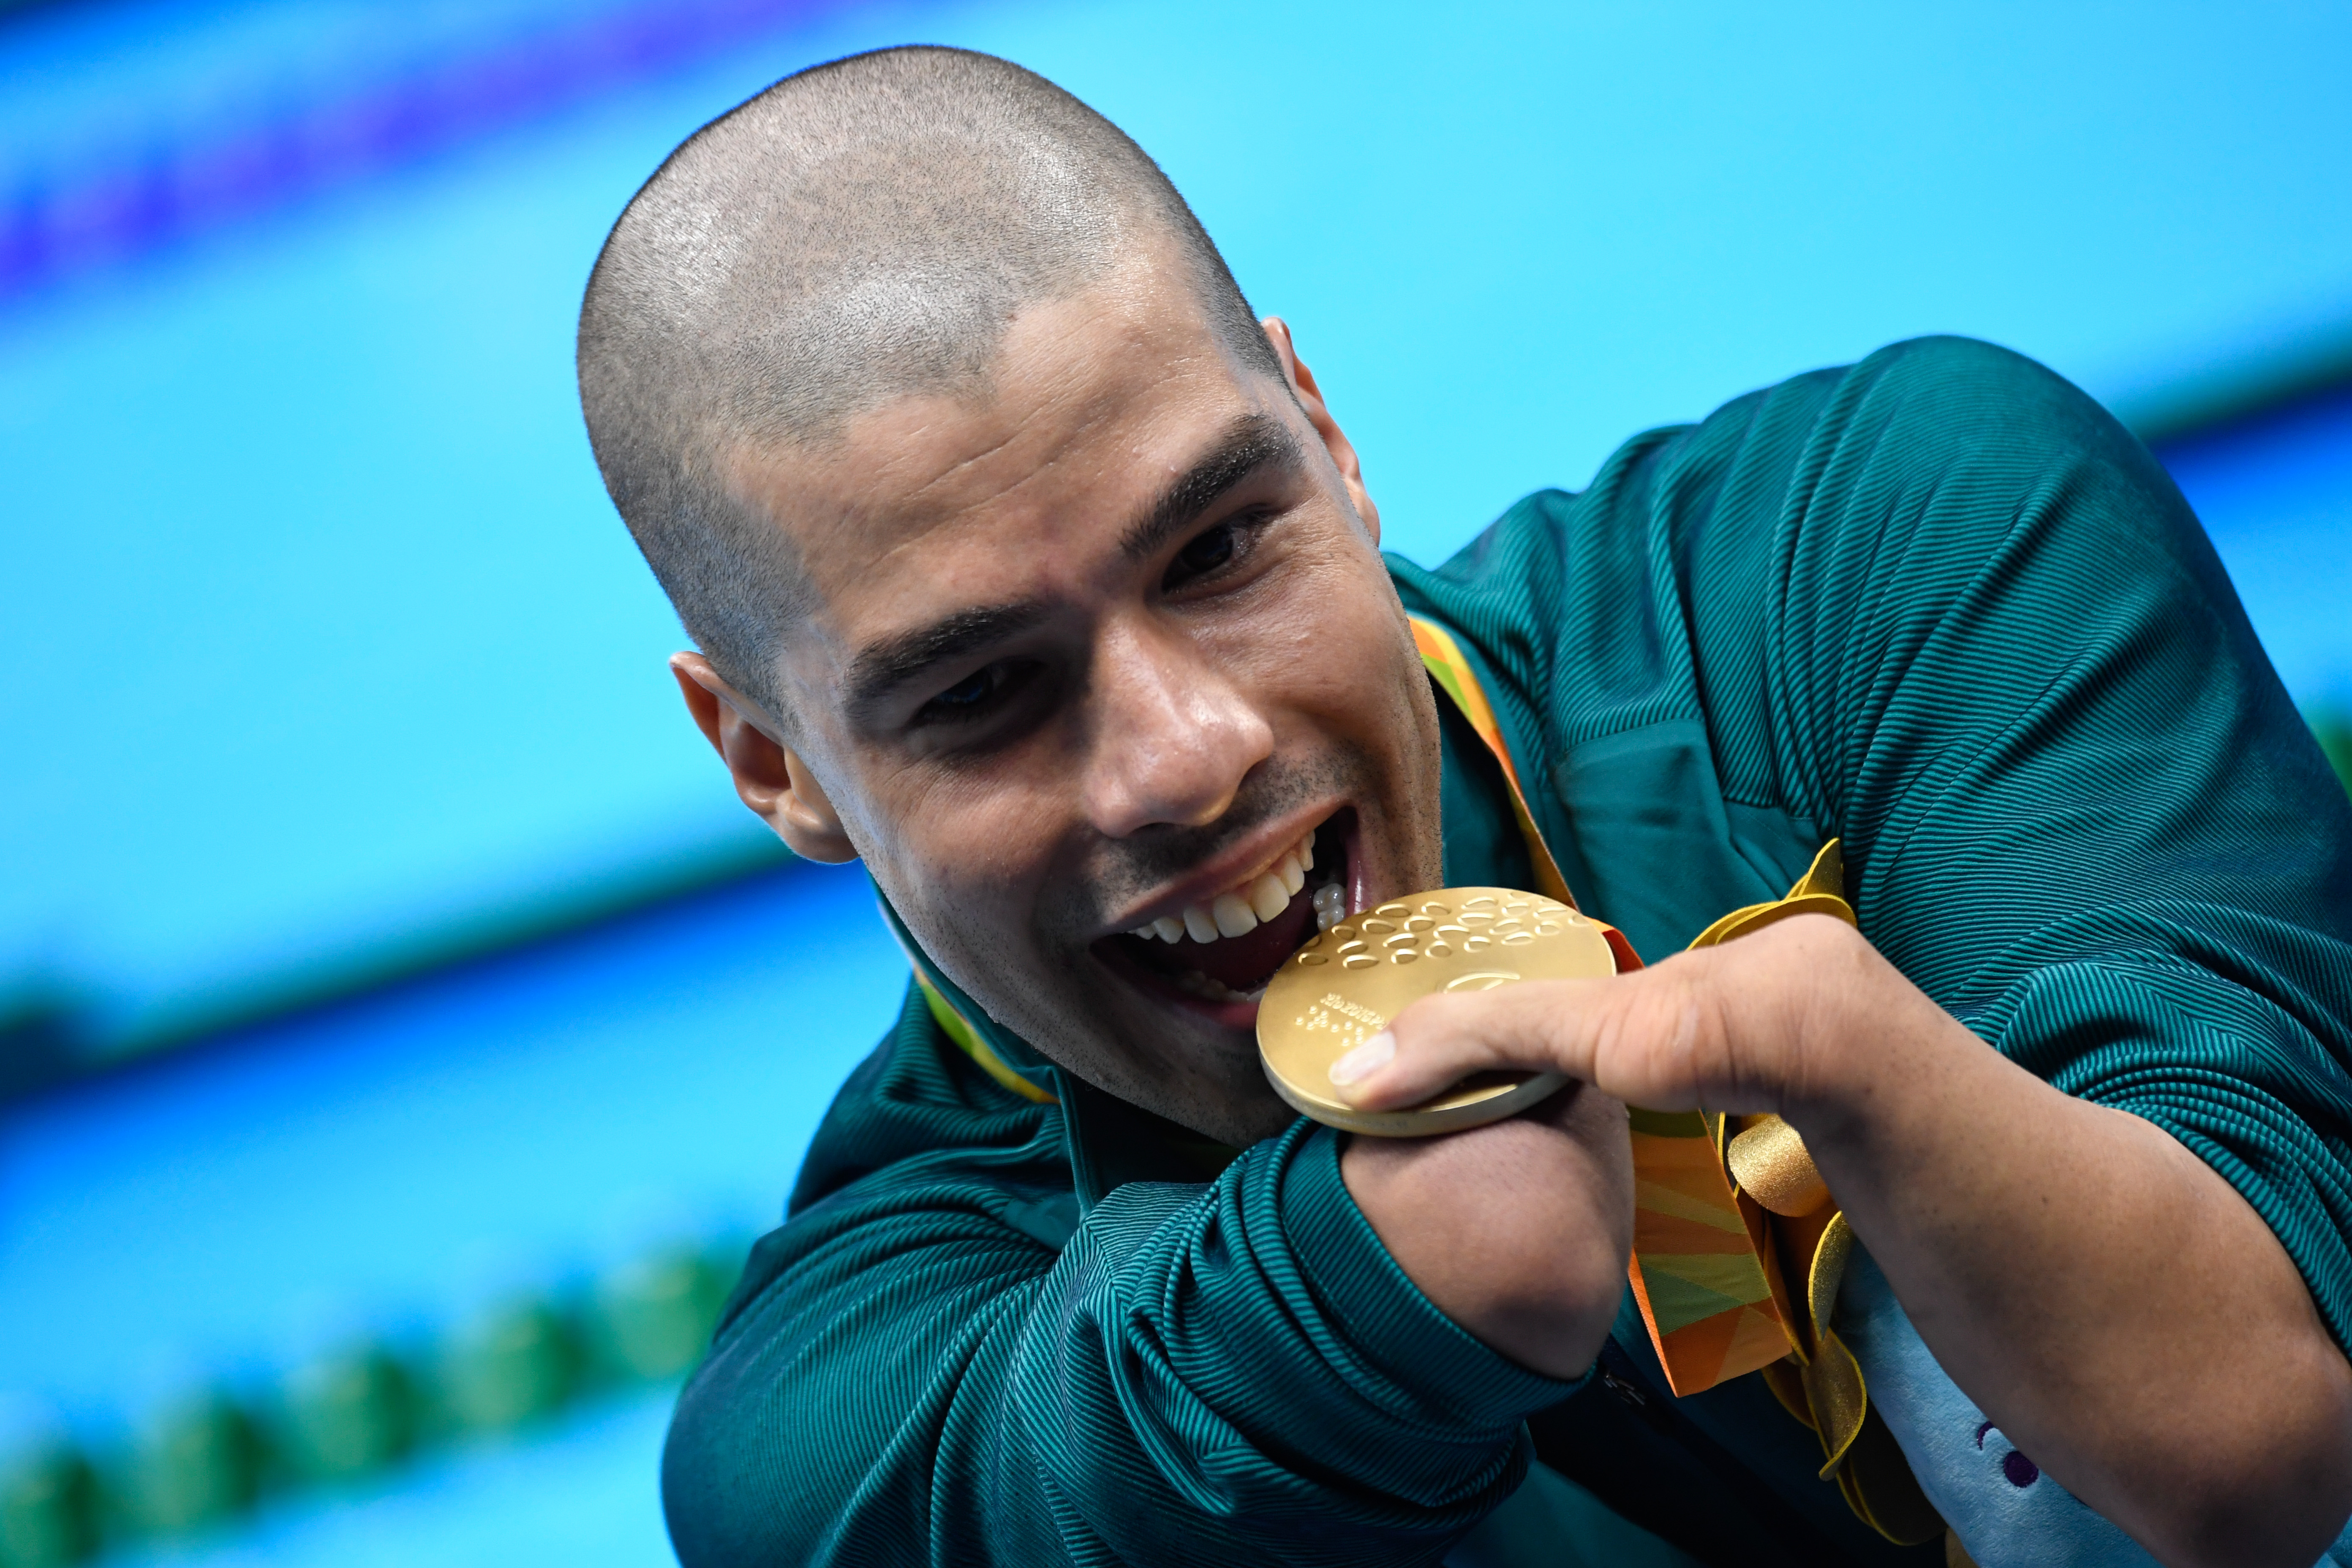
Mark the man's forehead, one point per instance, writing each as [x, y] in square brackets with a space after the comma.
[1095, 407]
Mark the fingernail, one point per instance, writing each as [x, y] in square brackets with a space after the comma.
[1365, 1059]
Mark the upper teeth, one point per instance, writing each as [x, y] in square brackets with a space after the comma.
[1239, 909]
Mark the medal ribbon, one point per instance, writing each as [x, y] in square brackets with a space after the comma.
[967, 1039]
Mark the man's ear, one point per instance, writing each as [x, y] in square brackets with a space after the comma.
[770, 779]
[1319, 413]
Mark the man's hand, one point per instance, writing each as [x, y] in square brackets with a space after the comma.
[2109, 1299]
[1517, 1231]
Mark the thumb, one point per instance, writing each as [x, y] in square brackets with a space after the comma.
[1658, 1038]
[1537, 1025]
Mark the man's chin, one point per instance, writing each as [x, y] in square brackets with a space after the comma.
[1185, 1010]
[1158, 990]
[1188, 1059]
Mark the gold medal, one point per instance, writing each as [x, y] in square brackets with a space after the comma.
[1347, 983]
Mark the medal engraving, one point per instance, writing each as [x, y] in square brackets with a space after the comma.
[1346, 983]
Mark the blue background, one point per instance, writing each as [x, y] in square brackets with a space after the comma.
[323, 660]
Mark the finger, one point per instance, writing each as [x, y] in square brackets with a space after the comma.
[1534, 1026]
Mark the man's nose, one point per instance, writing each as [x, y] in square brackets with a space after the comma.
[1173, 739]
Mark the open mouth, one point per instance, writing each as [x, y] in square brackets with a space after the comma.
[1224, 951]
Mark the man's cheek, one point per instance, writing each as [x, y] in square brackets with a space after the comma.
[1341, 667]
[975, 911]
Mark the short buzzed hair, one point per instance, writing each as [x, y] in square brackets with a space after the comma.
[860, 231]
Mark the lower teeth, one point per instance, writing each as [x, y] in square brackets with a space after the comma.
[1330, 906]
[1201, 985]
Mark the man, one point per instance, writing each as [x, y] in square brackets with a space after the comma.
[1027, 567]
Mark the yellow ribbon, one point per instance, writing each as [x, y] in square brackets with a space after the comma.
[959, 1029]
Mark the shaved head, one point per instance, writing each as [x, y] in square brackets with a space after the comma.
[860, 232]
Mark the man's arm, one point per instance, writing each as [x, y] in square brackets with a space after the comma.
[934, 1361]
[2118, 1308]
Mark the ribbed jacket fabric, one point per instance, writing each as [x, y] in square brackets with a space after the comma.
[1938, 604]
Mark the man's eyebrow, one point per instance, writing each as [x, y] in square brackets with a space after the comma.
[883, 667]
[1251, 442]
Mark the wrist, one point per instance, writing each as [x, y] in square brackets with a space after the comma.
[1517, 1231]
[1838, 1056]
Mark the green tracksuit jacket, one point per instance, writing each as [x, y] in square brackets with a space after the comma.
[1938, 604]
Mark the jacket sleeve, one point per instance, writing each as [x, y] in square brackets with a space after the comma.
[2079, 809]
[919, 1367]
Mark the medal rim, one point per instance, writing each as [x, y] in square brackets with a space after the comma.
[1455, 1113]
[1456, 1110]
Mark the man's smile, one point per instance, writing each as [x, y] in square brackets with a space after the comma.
[1215, 956]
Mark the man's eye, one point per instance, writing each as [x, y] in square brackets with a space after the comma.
[972, 696]
[1203, 556]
